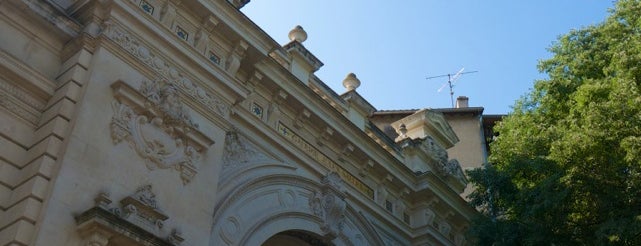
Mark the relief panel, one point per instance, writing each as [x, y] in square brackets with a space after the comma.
[158, 127]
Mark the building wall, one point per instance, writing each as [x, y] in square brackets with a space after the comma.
[116, 128]
[470, 150]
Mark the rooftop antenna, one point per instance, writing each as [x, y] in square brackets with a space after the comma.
[450, 81]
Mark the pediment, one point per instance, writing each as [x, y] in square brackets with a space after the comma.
[427, 122]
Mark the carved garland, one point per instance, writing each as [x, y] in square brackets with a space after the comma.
[135, 47]
[158, 127]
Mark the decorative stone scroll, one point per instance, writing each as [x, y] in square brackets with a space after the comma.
[138, 219]
[158, 127]
[329, 205]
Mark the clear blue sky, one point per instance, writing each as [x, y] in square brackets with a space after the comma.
[392, 46]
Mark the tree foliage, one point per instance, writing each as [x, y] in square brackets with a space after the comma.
[566, 168]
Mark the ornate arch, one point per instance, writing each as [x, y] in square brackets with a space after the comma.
[270, 204]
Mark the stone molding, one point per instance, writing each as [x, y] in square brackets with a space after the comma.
[424, 123]
[136, 48]
[158, 127]
[297, 48]
[329, 205]
[137, 219]
[22, 93]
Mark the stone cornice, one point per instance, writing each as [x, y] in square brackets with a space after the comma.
[403, 176]
[435, 122]
[285, 81]
[183, 56]
[354, 98]
[342, 125]
[101, 221]
[430, 181]
[51, 14]
[213, 103]
[242, 25]
[296, 48]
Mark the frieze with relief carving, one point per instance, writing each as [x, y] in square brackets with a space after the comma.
[135, 47]
[158, 127]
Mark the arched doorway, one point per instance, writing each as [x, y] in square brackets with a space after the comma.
[285, 209]
[295, 238]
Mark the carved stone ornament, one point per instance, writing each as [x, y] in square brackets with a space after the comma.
[239, 152]
[158, 127]
[137, 219]
[329, 205]
[454, 168]
[132, 45]
[445, 166]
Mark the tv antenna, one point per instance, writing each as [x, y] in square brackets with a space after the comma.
[451, 78]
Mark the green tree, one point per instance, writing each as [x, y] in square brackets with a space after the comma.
[566, 168]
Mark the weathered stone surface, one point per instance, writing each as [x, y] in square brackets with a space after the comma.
[182, 123]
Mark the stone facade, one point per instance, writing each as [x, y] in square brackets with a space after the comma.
[473, 129]
[164, 122]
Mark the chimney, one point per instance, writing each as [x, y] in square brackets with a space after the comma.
[462, 102]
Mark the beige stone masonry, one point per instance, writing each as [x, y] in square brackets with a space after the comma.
[35, 187]
[8, 174]
[49, 146]
[74, 74]
[5, 195]
[11, 176]
[26, 209]
[15, 129]
[63, 108]
[11, 152]
[28, 184]
[69, 90]
[82, 58]
[56, 127]
[18, 233]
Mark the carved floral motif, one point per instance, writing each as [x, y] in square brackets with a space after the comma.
[136, 48]
[158, 131]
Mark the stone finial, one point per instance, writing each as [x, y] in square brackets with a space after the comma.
[297, 34]
[351, 82]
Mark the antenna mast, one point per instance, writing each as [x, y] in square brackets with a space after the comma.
[450, 82]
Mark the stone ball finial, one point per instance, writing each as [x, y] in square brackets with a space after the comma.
[351, 82]
[297, 34]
